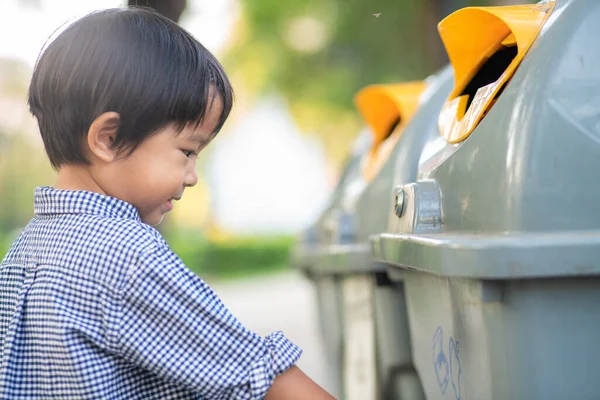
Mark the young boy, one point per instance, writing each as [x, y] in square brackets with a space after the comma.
[93, 303]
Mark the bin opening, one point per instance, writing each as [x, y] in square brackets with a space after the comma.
[386, 109]
[490, 72]
[485, 46]
[392, 127]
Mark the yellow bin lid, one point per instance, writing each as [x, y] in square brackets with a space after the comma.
[471, 36]
[386, 109]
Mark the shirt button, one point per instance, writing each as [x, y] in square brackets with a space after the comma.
[31, 267]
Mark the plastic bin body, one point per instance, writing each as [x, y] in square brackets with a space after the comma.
[372, 349]
[515, 339]
[498, 246]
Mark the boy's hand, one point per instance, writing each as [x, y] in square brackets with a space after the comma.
[293, 384]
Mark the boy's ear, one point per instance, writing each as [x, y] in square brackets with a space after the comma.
[102, 134]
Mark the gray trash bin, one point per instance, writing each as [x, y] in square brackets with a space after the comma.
[362, 311]
[498, 239]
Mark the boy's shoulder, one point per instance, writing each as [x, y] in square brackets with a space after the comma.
[122, 232]
[118, 236]
[86, 244]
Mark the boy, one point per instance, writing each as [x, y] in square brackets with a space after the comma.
[93, 303]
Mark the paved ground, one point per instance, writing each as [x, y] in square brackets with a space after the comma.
[286, 302]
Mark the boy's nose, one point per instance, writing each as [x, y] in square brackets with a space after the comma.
[191, 178]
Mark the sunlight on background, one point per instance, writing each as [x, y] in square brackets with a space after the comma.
[31, 22]
[265, 176]
[306, 34]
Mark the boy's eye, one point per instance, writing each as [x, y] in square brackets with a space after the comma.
[187, 153]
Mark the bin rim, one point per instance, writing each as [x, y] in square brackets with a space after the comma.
[336, 259]
[501, 256]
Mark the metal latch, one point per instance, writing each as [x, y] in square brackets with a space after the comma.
[418, 208]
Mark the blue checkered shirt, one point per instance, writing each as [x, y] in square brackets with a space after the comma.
[94, 305]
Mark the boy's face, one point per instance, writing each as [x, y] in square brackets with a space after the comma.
[159, 170]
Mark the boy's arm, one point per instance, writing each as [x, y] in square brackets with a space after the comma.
[172, 324]
[293, 384]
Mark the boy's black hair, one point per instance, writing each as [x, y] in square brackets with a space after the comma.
[132, 61]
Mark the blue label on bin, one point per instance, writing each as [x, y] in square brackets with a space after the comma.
[455, 368]
[447, 370]
[440, 362]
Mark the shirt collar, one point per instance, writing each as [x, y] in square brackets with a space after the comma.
[48, 200]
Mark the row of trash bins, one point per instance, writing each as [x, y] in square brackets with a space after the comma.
[459, 255]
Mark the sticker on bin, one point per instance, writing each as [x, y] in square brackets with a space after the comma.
[485, 46]
[447, 367]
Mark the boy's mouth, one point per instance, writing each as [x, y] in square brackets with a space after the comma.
[170, 202]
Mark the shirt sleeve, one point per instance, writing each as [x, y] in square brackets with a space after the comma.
[173, 325]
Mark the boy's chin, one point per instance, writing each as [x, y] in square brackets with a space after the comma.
[153, 220]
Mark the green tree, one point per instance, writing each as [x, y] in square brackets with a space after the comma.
[319, 53]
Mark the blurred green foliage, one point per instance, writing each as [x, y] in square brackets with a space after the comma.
[23, 164]
[319, 53]
[235, 258]
[5, 242]
[238, 257]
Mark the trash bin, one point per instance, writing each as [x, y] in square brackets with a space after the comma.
[321, 252]
[397, 377]
[361, 309]
[497, 240]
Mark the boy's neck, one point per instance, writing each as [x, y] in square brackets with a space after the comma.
[76, 177]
